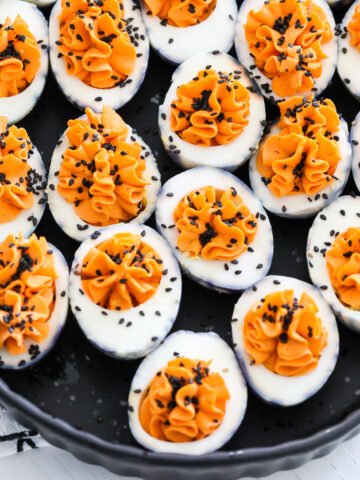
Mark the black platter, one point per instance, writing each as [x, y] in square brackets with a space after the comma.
[76, 397]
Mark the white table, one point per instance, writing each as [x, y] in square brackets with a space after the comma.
[50, 463]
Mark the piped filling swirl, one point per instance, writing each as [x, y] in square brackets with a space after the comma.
[214, 224]
[184, 402]
[180, 13]
[211, 109]
[285, 334]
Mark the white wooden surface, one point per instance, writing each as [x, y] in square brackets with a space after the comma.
[50, 463]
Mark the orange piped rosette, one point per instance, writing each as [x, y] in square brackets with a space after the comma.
[214, 224]
[184, 402]
[27, 291]
[354, 28]
[303, 156]
[16, 189]
[284, 334]
[286, 38]
[211, 109]
[94, 42]
[121, 272]
[19, 57]
[343, 264]
[102, 174]
[181, 13]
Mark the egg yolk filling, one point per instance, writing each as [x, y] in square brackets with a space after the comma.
[121, 272]
[27, 292]
[285, 38]
[343, 264]
[180, 13]
[18, 181]
[303, 156]
[19, 57]
[102, 173]
[214, 224]
[184, 402]
[354, 28]
[95, 42]
[284, 334]
[211, 109]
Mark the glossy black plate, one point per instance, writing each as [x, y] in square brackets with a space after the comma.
[76, 397]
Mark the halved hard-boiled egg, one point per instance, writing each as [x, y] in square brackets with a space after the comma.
[188, 396]
[22, 182]
[333, 255]
[101, 173]
[355, 144]
[180, 29]
[289, 46]
[33, 299]
[304, 162]
[212, 114]
[286, 339]
[98, 51]
[125, 289]
[217, 228]
[24, 58]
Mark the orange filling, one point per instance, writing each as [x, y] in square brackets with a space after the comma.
[17, 179]
[181, 13]
[101, 172]
[215, 224]
[354, 28]
[95, 43]
[285, 38]
[285, 335]
[27, 292]
[303, 156]
[211, 109]
[343, 264]
[184, 402]
[19, 57]
[121, 272]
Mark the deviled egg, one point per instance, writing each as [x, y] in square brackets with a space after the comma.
[212, 114]
[288, 45]
[22, 182]
[349, 49]
[101, 173]
[304, 162]
[355, 143]
[33, 299]
[217, 228]
[188, 396]
[42, 3]
[24, 58]
[179, 30]
[99, 51]
[286, 339]
[333, 255]
[125, 290]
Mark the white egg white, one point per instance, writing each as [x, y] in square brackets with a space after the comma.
[83, 95]
[18, 106]
[355, 143]
[224, 276]
[135, 332]
[271, 387]
[199, 346]
[228, 157]
[177, 44]
[338, 3]
[264, 83]
[28, 219]
[64, 212]
[56, 321]
[349, 56]
[342, 214]
[42, 3]
[302, 205]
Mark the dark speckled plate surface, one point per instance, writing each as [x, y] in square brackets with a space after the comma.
[82, 387]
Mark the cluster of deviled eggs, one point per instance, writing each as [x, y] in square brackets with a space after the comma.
[189, 394]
